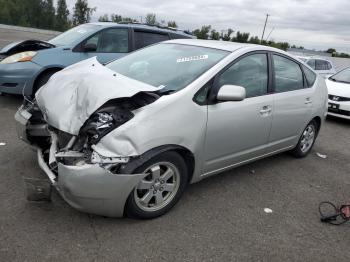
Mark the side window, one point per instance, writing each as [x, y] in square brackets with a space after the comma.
[143, 39]
[113, 40]
[321, 64]
[329, 65]
[288, 75]
[311, 63]
[250, 72]
[310, 76]
[93, 40]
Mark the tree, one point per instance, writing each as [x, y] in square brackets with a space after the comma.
[202, 33]
[254, 40]
[331, 50]
[62, 13]
[48, 14]
[226, 36]
[103, 18]
[172, 24]
[151, 19]
[214, 35]
[241, 37]
[82, 12]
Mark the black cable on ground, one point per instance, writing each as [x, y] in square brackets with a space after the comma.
[332, 214]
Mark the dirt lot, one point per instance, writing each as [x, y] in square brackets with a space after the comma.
[219, 219]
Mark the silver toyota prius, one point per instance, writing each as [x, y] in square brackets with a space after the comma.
[126, 138]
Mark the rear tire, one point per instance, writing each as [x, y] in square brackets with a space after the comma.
[306, 140]
[159, 191]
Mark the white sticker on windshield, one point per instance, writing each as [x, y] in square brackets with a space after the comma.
[192, 58]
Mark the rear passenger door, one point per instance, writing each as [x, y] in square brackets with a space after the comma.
[292, 102]
[143, 38]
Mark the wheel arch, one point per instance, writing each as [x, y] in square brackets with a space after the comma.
[184, 152]
[318, 121]
[43, 72]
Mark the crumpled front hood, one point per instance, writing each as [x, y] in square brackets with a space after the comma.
[73, 94]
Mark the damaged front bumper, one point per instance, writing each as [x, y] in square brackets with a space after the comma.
[87, 187]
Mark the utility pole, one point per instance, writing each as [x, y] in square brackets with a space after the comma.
[262, 36]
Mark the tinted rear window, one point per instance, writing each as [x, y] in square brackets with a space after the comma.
[143, 39]
[178, 36]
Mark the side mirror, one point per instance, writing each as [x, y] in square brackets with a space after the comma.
[90, 47]
[231, 93]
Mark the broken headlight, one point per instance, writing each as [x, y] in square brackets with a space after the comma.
[103, 122]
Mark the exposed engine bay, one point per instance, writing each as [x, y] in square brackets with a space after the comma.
[79, 150]
[27, 45]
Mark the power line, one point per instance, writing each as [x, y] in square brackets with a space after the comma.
[262, 36]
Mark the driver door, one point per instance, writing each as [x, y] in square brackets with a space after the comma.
[111, 43]
[238, 131]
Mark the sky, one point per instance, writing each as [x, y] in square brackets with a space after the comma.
[313, 24]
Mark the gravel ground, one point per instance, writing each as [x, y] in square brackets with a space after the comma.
[221, 218]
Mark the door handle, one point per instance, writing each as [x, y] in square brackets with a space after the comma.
[308, 100]
[265, 110]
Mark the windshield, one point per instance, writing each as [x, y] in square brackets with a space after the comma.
[169, 66]
[342, 76]
[71, 36]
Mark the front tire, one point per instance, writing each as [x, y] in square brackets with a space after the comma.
[161, 189]
[306, 141]
[42, 80]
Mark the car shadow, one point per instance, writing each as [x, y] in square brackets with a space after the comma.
[338, 120]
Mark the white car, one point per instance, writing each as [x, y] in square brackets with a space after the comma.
[322, 66]
[339, 94]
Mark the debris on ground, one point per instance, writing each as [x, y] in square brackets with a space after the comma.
[268, 210]
[321, 155]
[2, 144]
[252, 171]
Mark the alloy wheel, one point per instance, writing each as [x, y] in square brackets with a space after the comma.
[158, 187]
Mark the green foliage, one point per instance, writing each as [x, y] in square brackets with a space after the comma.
[202, 33]
[82, 12]
[241, 37]
[151, 19]
[254, 40]
[331, 50]
[214, 35]
[62, 16]
[172, 24]
[226, 36]
[103, 18]
[342, 55]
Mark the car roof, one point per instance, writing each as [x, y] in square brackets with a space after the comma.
[224, 45]
[145, 26]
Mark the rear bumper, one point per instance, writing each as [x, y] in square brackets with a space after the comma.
[86, 187]
[14, 77]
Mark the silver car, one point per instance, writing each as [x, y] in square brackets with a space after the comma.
[128, 137]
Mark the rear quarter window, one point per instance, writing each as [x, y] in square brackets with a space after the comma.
[143, 38]
[310, 76]
[178, 36]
